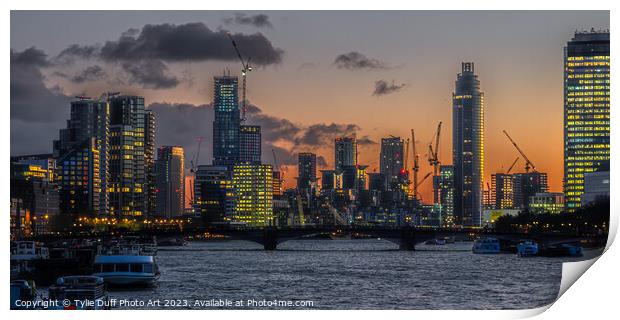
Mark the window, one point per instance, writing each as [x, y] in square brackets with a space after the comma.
[136, 267]
[123, 267]
[107, 267]
[147, 268]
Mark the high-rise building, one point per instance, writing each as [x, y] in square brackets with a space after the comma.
[391, 161]
[328, 179]
[249, 144]
[586, 110]
[446, 194]
[546, 203]
[376, 181]
[596, 187]
[149, 157]
[277, 184]
[170, 181]
[306, 174]
[227, 120]
[345, 152]
[526, 185]
[214, 198]
[82, 159]
[502, 191]
[253, 187]
[468, 146]
[130, 157]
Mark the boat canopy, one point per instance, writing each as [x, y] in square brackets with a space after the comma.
[124, 259]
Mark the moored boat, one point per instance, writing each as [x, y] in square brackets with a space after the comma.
[126, 270]
[527, 248]
[486, 246]
[81, 293]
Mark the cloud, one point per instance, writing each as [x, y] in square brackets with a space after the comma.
[91, 73]
[257, 20]
[307, 66]
[382, 87]
[74, 52]
[37, 112]
[357, 61]
[189, 42]
[151, 74]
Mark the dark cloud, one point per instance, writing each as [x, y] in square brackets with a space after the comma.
[189, 42]
[181, 124]
[37, 112]
[74, 52]
[383, 87]
[151, 74]
[357, 61]
[257, 20]
[91, 73]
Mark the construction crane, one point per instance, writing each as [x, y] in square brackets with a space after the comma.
[406, 156]
[244, 71]
[433, 154]
[277, 167]
[416, 166]
[512, 165]
[528, 164]
[194, 162]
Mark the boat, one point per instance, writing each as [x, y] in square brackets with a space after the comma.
[23, 256]
[527, 248]
[439, 241]
[562, 250]
[127, 269]
[81, 292]
[486, 245]
[22, 291]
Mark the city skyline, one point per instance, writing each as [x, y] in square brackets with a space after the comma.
[271, 87]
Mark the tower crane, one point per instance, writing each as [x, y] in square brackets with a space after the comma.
[512, 165]
[416, 166]
[244, 71]
[277, 167]
[433, 155]
[528, 164]
[192, 169]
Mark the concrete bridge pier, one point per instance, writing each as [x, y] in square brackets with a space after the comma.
[407, 239]
[270, 238]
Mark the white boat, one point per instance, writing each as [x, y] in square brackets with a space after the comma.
[126, 270]
[527, 248]
[439, 241]
[82, 292]
[23, 253]
[486, 245]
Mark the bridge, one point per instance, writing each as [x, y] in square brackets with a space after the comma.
[406, 237]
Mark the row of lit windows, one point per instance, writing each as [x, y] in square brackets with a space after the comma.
[586, 58]
[587, 99]
[587, 75]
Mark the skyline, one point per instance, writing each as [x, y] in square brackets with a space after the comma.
[535, 75]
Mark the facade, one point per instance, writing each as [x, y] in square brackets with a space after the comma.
[149, 157]
[586, 110]
[170, 182]
[81, 155]
[306, 175]
[502, 191]
[376, 181]
[130, 159]
[253, 187]
[468, 146]
[391, 162]
[527, 185]
[446, 194]
[546, 202]
[277, 183]
[328, 179]
[345, 152]
[596, 186]
[227, 120]
[214, 198]
[250, 144]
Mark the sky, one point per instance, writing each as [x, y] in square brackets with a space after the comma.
[317, 75]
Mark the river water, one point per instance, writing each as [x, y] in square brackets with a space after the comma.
[347, 274]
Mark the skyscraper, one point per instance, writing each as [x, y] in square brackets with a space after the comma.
[170, 181]
[391, 161]
[345, 152]
[527, 185]
[468, 146]
[446, 194]
[149, 157]
[249, 144]
[214, 199]
[227, 120]
[130, 126]
[586, 110]
[82, 158]
[306, 175]
[253, 194]
[502, 191]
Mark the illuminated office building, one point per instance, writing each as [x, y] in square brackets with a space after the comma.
[253, 187]
[468, 146]
[391, 162]
[306, 175]
[170, 181]
[277, 184]
[249, 144]
[446, 194]
[526, 185]
[130, 157]
[149, 158]
[227, 120]
[546, 203]
[345, 152]
[81, 154]
[586, 110]
[502, 191]
[214, 198]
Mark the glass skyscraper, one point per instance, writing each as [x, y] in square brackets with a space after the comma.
[345, 152]
[227, 120]
[586, 110]
[170, 181]
[249, 144]
[391, 161]
[468, 146]
[306, 170]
